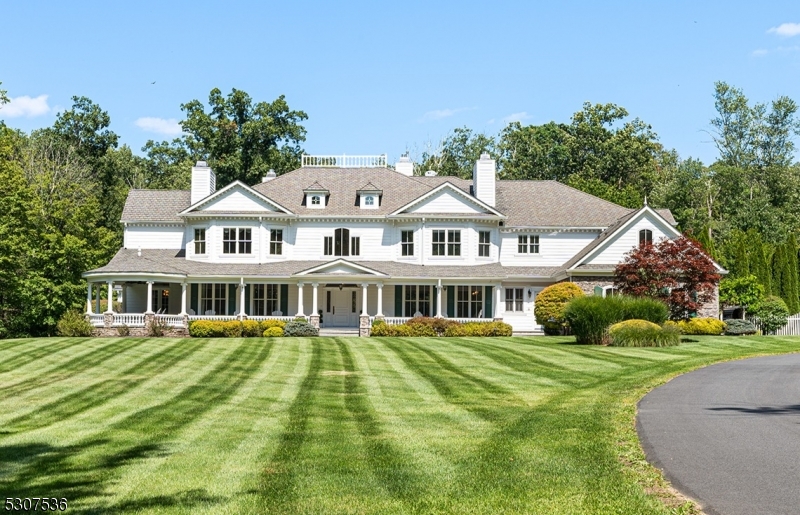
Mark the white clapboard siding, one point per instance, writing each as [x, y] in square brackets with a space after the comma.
[555, 248]
[614, 251]
[446, 201]
[236, 200]
[154, 237]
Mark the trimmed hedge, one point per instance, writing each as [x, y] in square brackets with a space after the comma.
[232, 328]
[550, 304]
[590, 317]
[272, 332]
[298, 328]
[642, 333]
[427, 326]
[737, 327]
[697, 326]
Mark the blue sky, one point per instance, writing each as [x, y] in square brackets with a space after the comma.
[389, 77]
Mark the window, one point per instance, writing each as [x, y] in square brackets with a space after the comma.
[315, 200]
[160, 300]
[355, 246]
[417, 299]
[353, 301]
[514, 299]
[328, 246]
[484, 243]
[528, 244]
[407, 243]
[234, 240]
[213, 297]
[199, 241]
[276, 241]
[438, 243]
[645, 237]
[609, 291]
[369, 200]
[265, 299]
[328, 301]
[469, 302]
[341, 242]
[453, 243]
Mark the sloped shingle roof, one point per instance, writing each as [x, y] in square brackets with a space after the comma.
[155, 205]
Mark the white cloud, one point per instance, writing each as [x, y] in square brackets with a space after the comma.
[25, 106]
[759, 52]
[786, 30]
[516, 117]
[438, 114]
[168, 127]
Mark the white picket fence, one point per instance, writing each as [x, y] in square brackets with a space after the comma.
[792, 327]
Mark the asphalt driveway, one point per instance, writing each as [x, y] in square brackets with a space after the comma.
[728, 435]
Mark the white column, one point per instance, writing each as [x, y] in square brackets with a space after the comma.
[124, 299]
[183, 298]
[300, 300]
[88, 298]
[380, 300]
[149, 297]
[498, 310]
[242, 308]
[314, 298]
[439, 290]
[97, 299]
[110, 306]
[364, 298]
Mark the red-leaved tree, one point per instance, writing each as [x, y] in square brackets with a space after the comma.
[678, 272]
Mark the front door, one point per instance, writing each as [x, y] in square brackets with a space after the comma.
[342, 308]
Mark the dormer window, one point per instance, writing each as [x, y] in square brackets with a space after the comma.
[315, 196]
[315, 200]
[369, 196]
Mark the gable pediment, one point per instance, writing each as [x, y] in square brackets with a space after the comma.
[237, 197]
[342, 268]
[447, 199]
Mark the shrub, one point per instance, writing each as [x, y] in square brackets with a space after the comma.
[74, 323]
[205, 329]
[298, 328]
[273, 331]
[378, 322]
[736, 327]
[590, 317]
[123, 330]
[157, 327]
[456, 330]
[232, 329]
[550, 305]
[300, 319]
[429, 326]
[642, 333]
[773, 314]
[701, 326]
[266, 324]
[251, 328]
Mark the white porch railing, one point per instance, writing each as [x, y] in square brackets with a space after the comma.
[403, 320]
[96, 320]
[281, 318]
[172, 320]
[345, 161]
[792, 327]
[219, 318]
[129, 319]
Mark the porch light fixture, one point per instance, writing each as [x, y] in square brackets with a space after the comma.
[340, 287]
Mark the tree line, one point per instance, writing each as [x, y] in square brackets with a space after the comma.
[62, 188]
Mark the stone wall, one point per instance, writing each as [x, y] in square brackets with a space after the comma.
[588, 283]
[174, 332]
[711, 308]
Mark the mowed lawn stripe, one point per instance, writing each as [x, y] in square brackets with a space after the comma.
[33, 353]
[97, 393]
[84, 470]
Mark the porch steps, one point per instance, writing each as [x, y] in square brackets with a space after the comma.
[338, 331]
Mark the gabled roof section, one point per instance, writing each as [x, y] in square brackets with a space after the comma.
[455, 191]
[155, 205]
[231, 187]
[369, 188]
[341, 267]
[616, 228]
[317, 188]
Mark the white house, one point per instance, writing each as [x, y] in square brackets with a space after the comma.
[343, 240]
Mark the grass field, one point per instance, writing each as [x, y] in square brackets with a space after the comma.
[337, 425]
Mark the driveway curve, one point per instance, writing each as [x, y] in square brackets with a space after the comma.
[728, 435]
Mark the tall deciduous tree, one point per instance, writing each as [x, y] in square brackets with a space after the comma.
[456, 154]
[241, 139]
[676, 271]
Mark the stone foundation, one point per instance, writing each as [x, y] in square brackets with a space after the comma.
[173, 332]
[364, 328]
[588, 283]
[314, 320]
[710, 308]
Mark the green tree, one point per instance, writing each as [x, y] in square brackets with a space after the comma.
[168, 165]
[743, 291]
[241, 139]
[535, 152]
[773, 314]
[456, 153]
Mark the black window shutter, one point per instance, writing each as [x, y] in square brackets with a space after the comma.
[284, 299]
[398, 300]
[231, 299]
[195, 297]
[487, 302]
[451, 301]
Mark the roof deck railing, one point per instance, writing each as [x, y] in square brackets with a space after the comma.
[345, 161]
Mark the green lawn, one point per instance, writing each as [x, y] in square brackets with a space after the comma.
[337, 425]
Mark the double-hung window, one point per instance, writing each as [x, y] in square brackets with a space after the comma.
[200, 241]
[645, 237]
[237, 241]
[265, 299]
[417, 299]
[407, 243]
[514, 299]
[484, 243]
[469, 302]
[438, 243]
[454, 243]
[528, 244]
[341, 244]
[276, 241]
[213, 299]
[355, 246]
